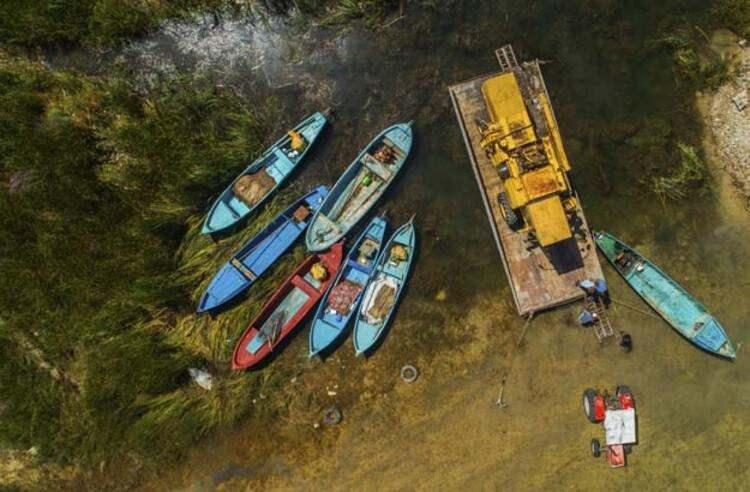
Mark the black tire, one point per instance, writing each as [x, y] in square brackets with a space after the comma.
[622, 390]
[409, 373]
[332, 415]
[589, 396]
[596, 449]
[628, 448]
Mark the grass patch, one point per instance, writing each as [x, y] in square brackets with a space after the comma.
[686, 178]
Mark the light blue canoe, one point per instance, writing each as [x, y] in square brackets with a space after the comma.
[328, 324]
[686, 315]
[361, 185]
[275, 164]
[261, 252]
[371, 320]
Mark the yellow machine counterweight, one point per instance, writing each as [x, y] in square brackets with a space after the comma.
[524, 145]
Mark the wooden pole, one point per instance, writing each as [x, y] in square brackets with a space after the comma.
[637, 310]
[525, 328]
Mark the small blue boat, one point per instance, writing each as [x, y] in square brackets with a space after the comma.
[361, 185]
[384, 288]
[261, 252]
[264, 176]
[686, 315]
[341, 301]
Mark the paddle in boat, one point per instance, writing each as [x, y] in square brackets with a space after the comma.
[686, 315]
[384, 288]
[264, 176]
[361, 185]
[341, 301]
[261, 251]
[287, 307]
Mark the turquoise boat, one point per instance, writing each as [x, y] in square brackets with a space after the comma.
[361, 185]
[686, 315]
[264, 176]
[384, 289]
[341, 301]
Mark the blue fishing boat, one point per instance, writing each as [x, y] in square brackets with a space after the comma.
[361, 185]
[686, 315]
[261, 252]
[341, 301]
[264, 176]
[384, 288]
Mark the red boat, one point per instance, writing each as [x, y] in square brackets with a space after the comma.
[287, 307]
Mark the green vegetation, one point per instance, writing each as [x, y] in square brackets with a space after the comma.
[733, 14]
[693, 58]
[102, 262]
[687, 178]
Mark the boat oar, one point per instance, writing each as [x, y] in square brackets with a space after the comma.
[637, 310]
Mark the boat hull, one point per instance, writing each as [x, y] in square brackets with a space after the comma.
[259, 254]
[278, 164]
[367, 332]
[286, 309]
[360, 186]
[328, 325]
[681, 310]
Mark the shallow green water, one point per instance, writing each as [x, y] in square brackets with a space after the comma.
[608, 87]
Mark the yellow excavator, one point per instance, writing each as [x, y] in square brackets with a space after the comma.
[524, 144]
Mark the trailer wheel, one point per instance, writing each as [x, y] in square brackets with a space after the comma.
[622, 390]
[627, 448]
[589, 396]
[596, 450]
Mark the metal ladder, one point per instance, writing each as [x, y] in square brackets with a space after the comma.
[506, 58]
[603, 327]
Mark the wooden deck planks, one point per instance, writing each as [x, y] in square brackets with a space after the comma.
[535, 284]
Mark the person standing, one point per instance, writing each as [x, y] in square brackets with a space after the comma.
[602, 291]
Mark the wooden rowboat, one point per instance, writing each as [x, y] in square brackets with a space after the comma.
[385, 288]
[342, 299]
[261, 252]
[264, 176]
[286, 308]
[681, 310]
[361, 185]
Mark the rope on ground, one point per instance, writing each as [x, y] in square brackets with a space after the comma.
[525, 328]
[637, 310]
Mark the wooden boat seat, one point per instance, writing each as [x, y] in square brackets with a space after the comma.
[376, 167]
[304, 286]
[243, 269]
[395, 148]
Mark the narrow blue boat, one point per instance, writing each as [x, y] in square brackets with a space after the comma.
[384, 288]
[686, 315]
[264, 176]
[261, 252]
[342, 299]
[361, 185]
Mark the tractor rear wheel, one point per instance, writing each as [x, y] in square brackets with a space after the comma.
[596, 449]
[589, 397]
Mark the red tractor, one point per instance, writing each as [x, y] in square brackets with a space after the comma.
[617, 415]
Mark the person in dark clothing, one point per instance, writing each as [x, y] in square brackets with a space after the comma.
[626, 342]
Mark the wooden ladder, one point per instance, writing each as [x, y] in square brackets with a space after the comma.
[506, 57]
[603, 327]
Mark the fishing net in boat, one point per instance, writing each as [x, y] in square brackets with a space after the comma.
[343, 295]
[251, 188]
[380, 300]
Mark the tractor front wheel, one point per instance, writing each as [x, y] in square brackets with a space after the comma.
[596, 450]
